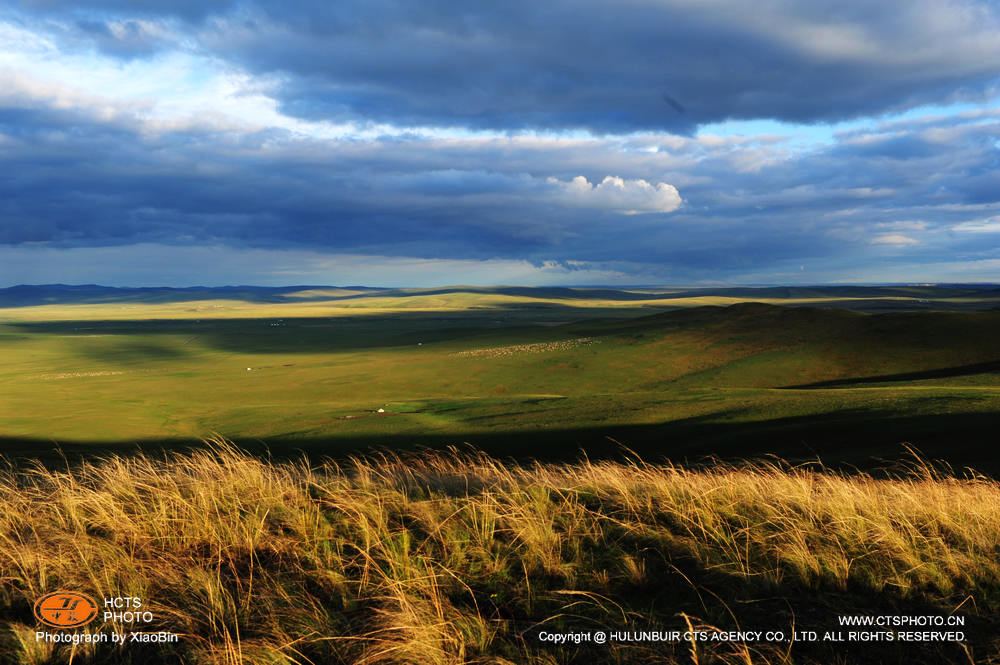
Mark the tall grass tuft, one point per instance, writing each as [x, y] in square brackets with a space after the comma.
[454, 557]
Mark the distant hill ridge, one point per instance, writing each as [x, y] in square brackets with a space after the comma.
[53, 294]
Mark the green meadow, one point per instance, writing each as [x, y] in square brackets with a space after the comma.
[845, 374]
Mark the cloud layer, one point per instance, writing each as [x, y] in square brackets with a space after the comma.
[607, 67]
[92, 177]
[555, 141]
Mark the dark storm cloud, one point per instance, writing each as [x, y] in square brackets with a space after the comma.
[612, 67]
[128, 39]
[188, 10]
[609, 67]
[924, 191]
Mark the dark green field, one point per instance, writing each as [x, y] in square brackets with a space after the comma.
[847, 374]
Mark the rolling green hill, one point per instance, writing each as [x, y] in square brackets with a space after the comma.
[516, 372]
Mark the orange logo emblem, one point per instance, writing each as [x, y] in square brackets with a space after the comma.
[65, 609]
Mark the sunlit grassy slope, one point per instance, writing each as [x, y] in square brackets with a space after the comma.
[457, 558]
[506, 369]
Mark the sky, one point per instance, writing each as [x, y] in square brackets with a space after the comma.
[391, 143]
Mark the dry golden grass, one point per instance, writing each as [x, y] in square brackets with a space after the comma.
[458, 558]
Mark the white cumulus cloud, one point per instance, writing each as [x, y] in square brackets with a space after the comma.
[896, 239]
[991, 225]
[629, 197]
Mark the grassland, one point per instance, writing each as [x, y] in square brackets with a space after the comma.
[458, 558]
[317, 552]
[680, 374]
